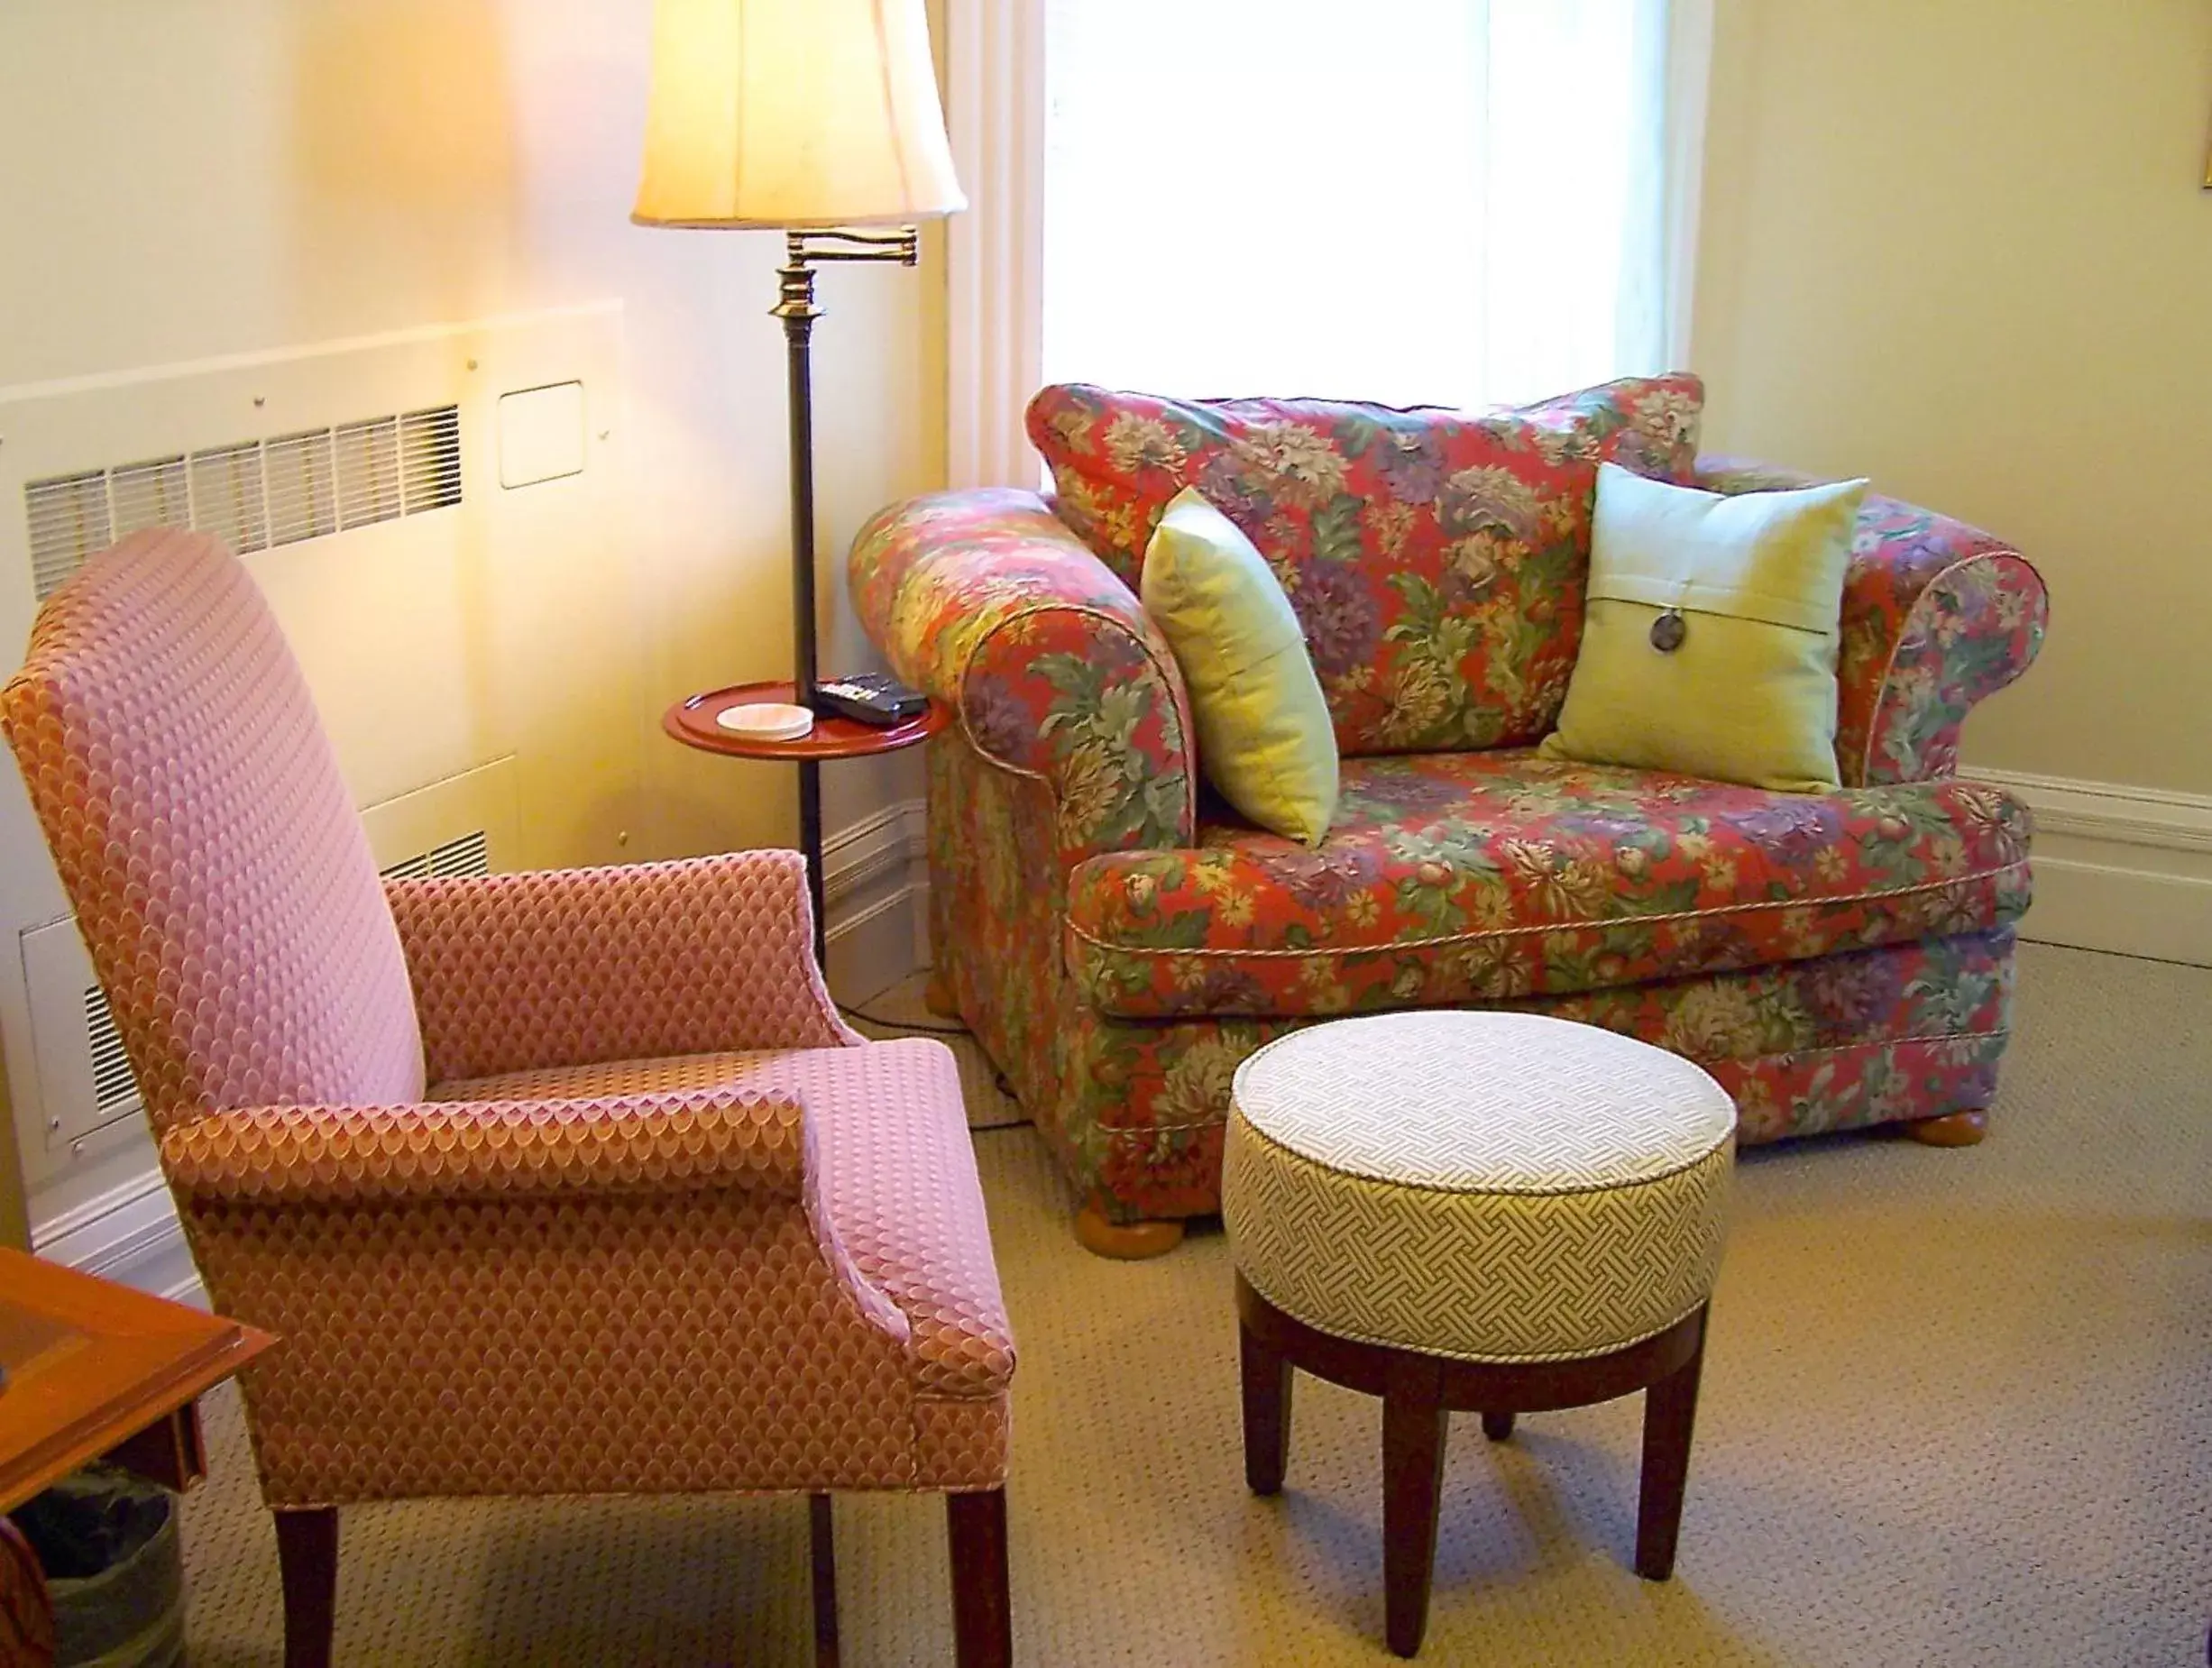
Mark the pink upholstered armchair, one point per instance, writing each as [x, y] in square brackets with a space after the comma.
[554, 1183]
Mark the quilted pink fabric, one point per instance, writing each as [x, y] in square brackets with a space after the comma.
[902, 1191]
[578, 966]
[493, 1148]
[194, 809]
[755, 1258]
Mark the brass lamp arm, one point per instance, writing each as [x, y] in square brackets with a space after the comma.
[804, 248]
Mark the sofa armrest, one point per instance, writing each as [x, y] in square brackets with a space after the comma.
[987, 601]
[571, 967]
[492, 1150]
[1936, 616]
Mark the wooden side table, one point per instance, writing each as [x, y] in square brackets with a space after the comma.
[97, 1370]
[695, 722]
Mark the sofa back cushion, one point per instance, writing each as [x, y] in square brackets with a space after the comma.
[1436, 558]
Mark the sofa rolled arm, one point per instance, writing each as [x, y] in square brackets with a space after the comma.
[1936, 616]
[492, 1150]
[570, 967]
[988, 602]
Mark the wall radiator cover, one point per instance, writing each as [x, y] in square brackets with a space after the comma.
[252, 494]
[469, 631]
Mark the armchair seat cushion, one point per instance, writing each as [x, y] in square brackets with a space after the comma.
[897, 1175]
[1455, 877]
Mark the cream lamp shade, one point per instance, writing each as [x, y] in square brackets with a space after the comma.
[793, 115]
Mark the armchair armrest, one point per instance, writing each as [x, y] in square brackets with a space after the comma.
[1936, 616]
[492, 1150]
[570, 967]
[986, 601]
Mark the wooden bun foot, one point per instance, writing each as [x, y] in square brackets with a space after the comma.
[1127, 1241]
[937, 996]
[1497, 1427]
[1958, 1129]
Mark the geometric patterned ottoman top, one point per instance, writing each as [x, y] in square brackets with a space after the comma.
[1488, 1186]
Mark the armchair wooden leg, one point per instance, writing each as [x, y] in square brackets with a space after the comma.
[1414, 1423]
[1497, 1427]
[1957, 1129]
[982, 1606]
[1267, 1413]
[1126, 1242]
[307, 1565]
[821, 1548]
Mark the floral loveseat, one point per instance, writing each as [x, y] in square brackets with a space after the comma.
[1119, 940]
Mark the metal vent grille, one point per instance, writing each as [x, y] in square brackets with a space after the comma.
[150, 495]
[229, 494]
[466, 854]
[255, 493]
[303, 500]
[430, 458]
[113, 1088]
[368, 472]
[69, 521]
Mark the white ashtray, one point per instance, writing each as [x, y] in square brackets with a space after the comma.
[766, 720]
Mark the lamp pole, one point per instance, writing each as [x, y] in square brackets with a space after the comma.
[802, 251]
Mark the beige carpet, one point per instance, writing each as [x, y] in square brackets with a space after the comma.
[1958, 1410]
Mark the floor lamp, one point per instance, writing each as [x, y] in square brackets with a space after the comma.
[819, 119]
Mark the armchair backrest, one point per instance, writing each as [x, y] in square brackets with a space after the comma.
[1436, 558]
[209, 846]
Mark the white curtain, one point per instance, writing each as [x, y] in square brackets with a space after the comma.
[995, 252]
[1452, 202]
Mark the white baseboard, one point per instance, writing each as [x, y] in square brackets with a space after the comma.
[128, 1233]
[2119, 869]
[875, 886]
[876, 889]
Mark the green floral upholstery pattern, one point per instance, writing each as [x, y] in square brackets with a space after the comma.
[986, 603]
[1833, 960]
[1454, 877]
[1435, 558]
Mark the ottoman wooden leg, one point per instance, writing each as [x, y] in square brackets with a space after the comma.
[1497, 1427]
[1414, 1423]
[1267, 1413]
[1670, 1413]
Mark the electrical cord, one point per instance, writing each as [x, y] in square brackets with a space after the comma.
[854, 1011]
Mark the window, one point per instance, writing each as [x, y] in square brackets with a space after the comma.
[1448, 202]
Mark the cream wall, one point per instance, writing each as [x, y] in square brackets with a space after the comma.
[186, 179]
[1961, 246]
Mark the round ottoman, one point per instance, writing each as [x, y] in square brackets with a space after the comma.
[1493, 1212]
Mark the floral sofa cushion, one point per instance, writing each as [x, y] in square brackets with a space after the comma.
[1436, 558]
[1466, 877]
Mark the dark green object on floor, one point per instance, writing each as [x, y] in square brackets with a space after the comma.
[115, 1569]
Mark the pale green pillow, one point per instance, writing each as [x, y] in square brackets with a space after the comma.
[1264, 736]
[1747, 590]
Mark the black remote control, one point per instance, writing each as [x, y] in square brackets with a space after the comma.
[870, 697]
